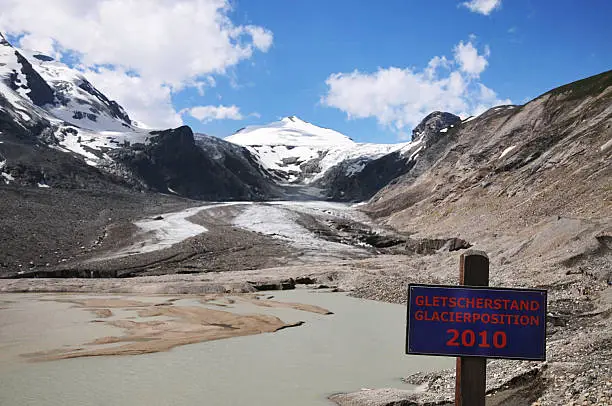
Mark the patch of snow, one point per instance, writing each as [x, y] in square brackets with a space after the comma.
[11, 65]
[470, 118]
[23, 105]
[25, 116]
[444, 130]
[363, 152]
[411, 147]
[75, 101]
[43, 185]
[415, 154]
[606, 146]
[7, 177]
[77, 139]
[506, 151]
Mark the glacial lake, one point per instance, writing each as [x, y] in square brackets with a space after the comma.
[360, 346]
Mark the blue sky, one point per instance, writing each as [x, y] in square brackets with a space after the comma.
[359, 67]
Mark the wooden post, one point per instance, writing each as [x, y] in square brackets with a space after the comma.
[471, 372]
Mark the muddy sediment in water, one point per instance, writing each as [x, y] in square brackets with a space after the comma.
[163, 325]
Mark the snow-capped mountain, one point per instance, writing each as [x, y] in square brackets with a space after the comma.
[77, 101]
[298, 152]
[83, 120]
[60, 90]
[58, 130]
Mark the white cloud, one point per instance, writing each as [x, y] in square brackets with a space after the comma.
[262, 38]
[210, 113]
[470, 62]
[44, 45]
[146, 99]
[168, 44]
[482, 6]
[400, 97]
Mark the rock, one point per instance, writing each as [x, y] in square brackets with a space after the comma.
[433, 123]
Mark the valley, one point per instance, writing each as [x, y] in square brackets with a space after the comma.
[287, 248]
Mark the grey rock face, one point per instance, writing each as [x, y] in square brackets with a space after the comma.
[433, 123]
[342, 184]
[363, 184]
[173, 163]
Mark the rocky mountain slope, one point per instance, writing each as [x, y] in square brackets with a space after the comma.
[549, 157]
[343, 184]
[531, 186]
[57, 130]
[60, 131]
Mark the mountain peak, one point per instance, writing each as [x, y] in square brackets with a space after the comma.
[292, 119]
[434, 122]
[289, 131]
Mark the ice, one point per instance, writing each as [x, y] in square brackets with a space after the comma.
[279, 220]
[172, 228]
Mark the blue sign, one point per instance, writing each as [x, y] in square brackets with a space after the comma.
[476, 321]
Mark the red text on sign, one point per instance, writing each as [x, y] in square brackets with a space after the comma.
[468, 338]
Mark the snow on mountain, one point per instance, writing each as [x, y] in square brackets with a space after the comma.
[55, 127]
[296, 151]
[290, 131]
[36, 88]
[60, 90]
[77, 101]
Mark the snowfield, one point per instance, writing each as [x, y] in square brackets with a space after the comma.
[283, 147]
[290, 131]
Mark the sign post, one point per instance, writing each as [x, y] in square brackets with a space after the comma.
[471, 373]
[474, 322]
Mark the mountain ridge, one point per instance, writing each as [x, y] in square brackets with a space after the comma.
[58, 130]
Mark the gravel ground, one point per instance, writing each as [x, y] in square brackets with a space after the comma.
[45, 227]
